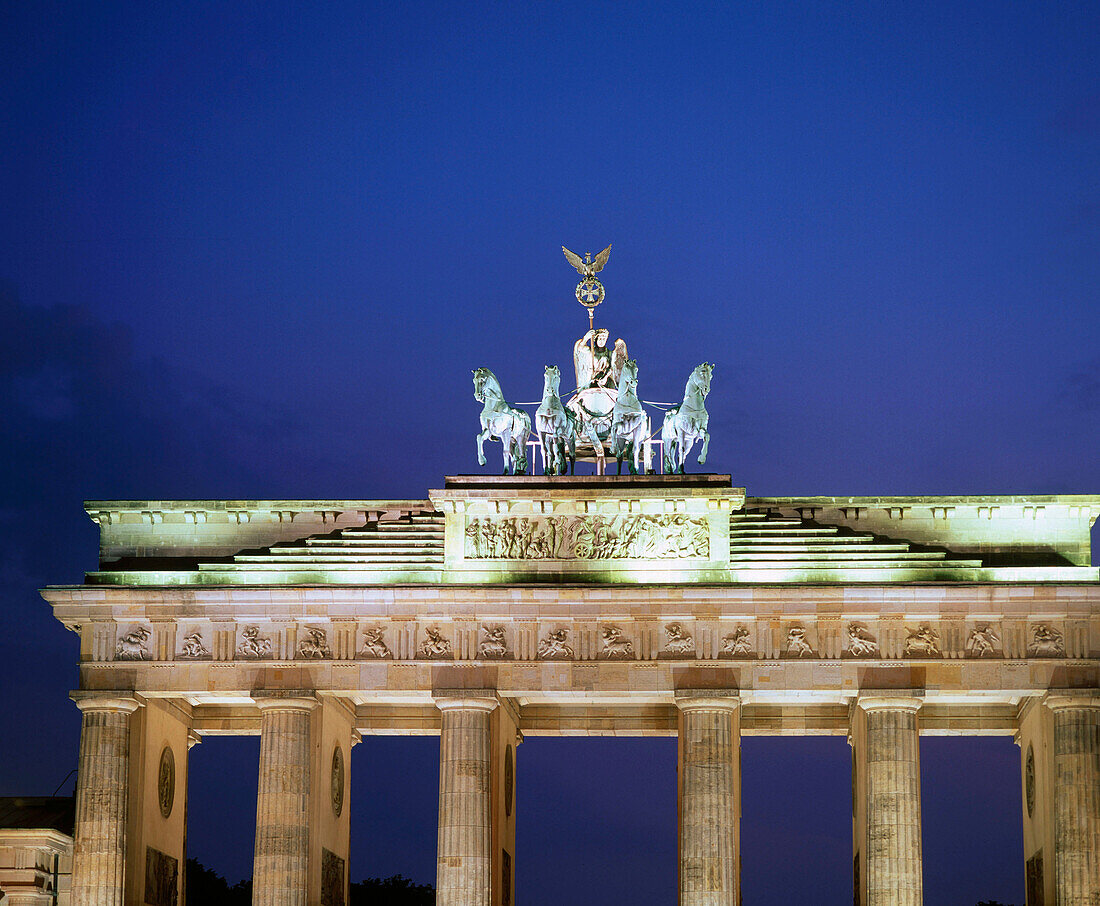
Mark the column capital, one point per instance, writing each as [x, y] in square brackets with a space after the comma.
[1062, 699]
[121, 702]
[465, 699]
[890, 699]
[708, 699]
[285, 700]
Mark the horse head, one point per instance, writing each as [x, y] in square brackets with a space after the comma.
[484, 380]
[628, 380]
[551, 380]
[701, 377]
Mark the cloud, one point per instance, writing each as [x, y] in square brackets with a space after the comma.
[86, 414]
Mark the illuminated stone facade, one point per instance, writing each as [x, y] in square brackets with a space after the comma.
[657, 605]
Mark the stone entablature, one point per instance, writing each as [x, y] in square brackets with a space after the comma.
[1006, 640]
[648, 529]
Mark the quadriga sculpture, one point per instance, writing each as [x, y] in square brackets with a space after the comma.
[556, 427]
[506, 423]
[629, 423]
[687, 423]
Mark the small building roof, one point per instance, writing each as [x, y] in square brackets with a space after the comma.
[27, 812]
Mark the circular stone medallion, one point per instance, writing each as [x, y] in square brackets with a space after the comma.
[166, 781]
[509, 776]
[337, 781]
[1029, 780]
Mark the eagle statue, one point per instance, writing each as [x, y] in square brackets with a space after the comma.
[587, 269]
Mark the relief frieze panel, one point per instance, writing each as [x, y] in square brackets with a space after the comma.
[639, 639]
[635, 537]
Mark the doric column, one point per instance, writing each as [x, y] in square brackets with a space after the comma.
[888, 756]
[464, 856]
[102, 786]
[1076, 797]
[280, 875]
[710, 797]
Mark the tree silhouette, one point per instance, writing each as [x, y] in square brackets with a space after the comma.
[206, 887]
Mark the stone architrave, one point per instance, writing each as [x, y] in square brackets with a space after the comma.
[102, 800]
[1076, 797]
[887, 813]
[464, 857]
[710, 794]
[280, 874]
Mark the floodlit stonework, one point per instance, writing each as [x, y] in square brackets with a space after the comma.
[502, 607]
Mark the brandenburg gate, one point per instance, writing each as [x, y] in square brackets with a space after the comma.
[643, 604]
[499, 608]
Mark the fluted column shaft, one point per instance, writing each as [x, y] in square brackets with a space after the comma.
[709, 783]
[891, 760]
[280, 872]
[464, 855]
[1076, 799]
[103, 771]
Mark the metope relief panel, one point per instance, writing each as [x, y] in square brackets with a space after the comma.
[923, 641]
[738, 641]
[374, 643]
[983, 640]
[133, 645]
[665, 537]
[312, 644]
[679, 641]
[616, 645]
[254, 644]
[494, 644]
[1045, 640]
[554, 644]
[862, 643]
[193, 645]
[435, 646]
[798, 643]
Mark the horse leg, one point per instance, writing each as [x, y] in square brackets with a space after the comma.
[706, 445]
[542, 445]
[617, 452]
[506, 445]
[480, 449]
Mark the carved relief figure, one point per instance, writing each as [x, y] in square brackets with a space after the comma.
[374, 644]
[924, 641]
[494, 645]
[615, 647]
[314, 645]
[253, 644]
[553, 647]
[131, 647]
[860, 642]
[1046, 641]
[679, 642]
[435, 646]
[797, 643]
[193, 648]
[737, 643]
[982, 642]
[674, 536]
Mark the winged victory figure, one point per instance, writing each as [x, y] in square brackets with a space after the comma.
[587, 269]
[595, 364]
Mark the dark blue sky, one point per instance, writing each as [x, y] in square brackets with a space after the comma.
[257, 251]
